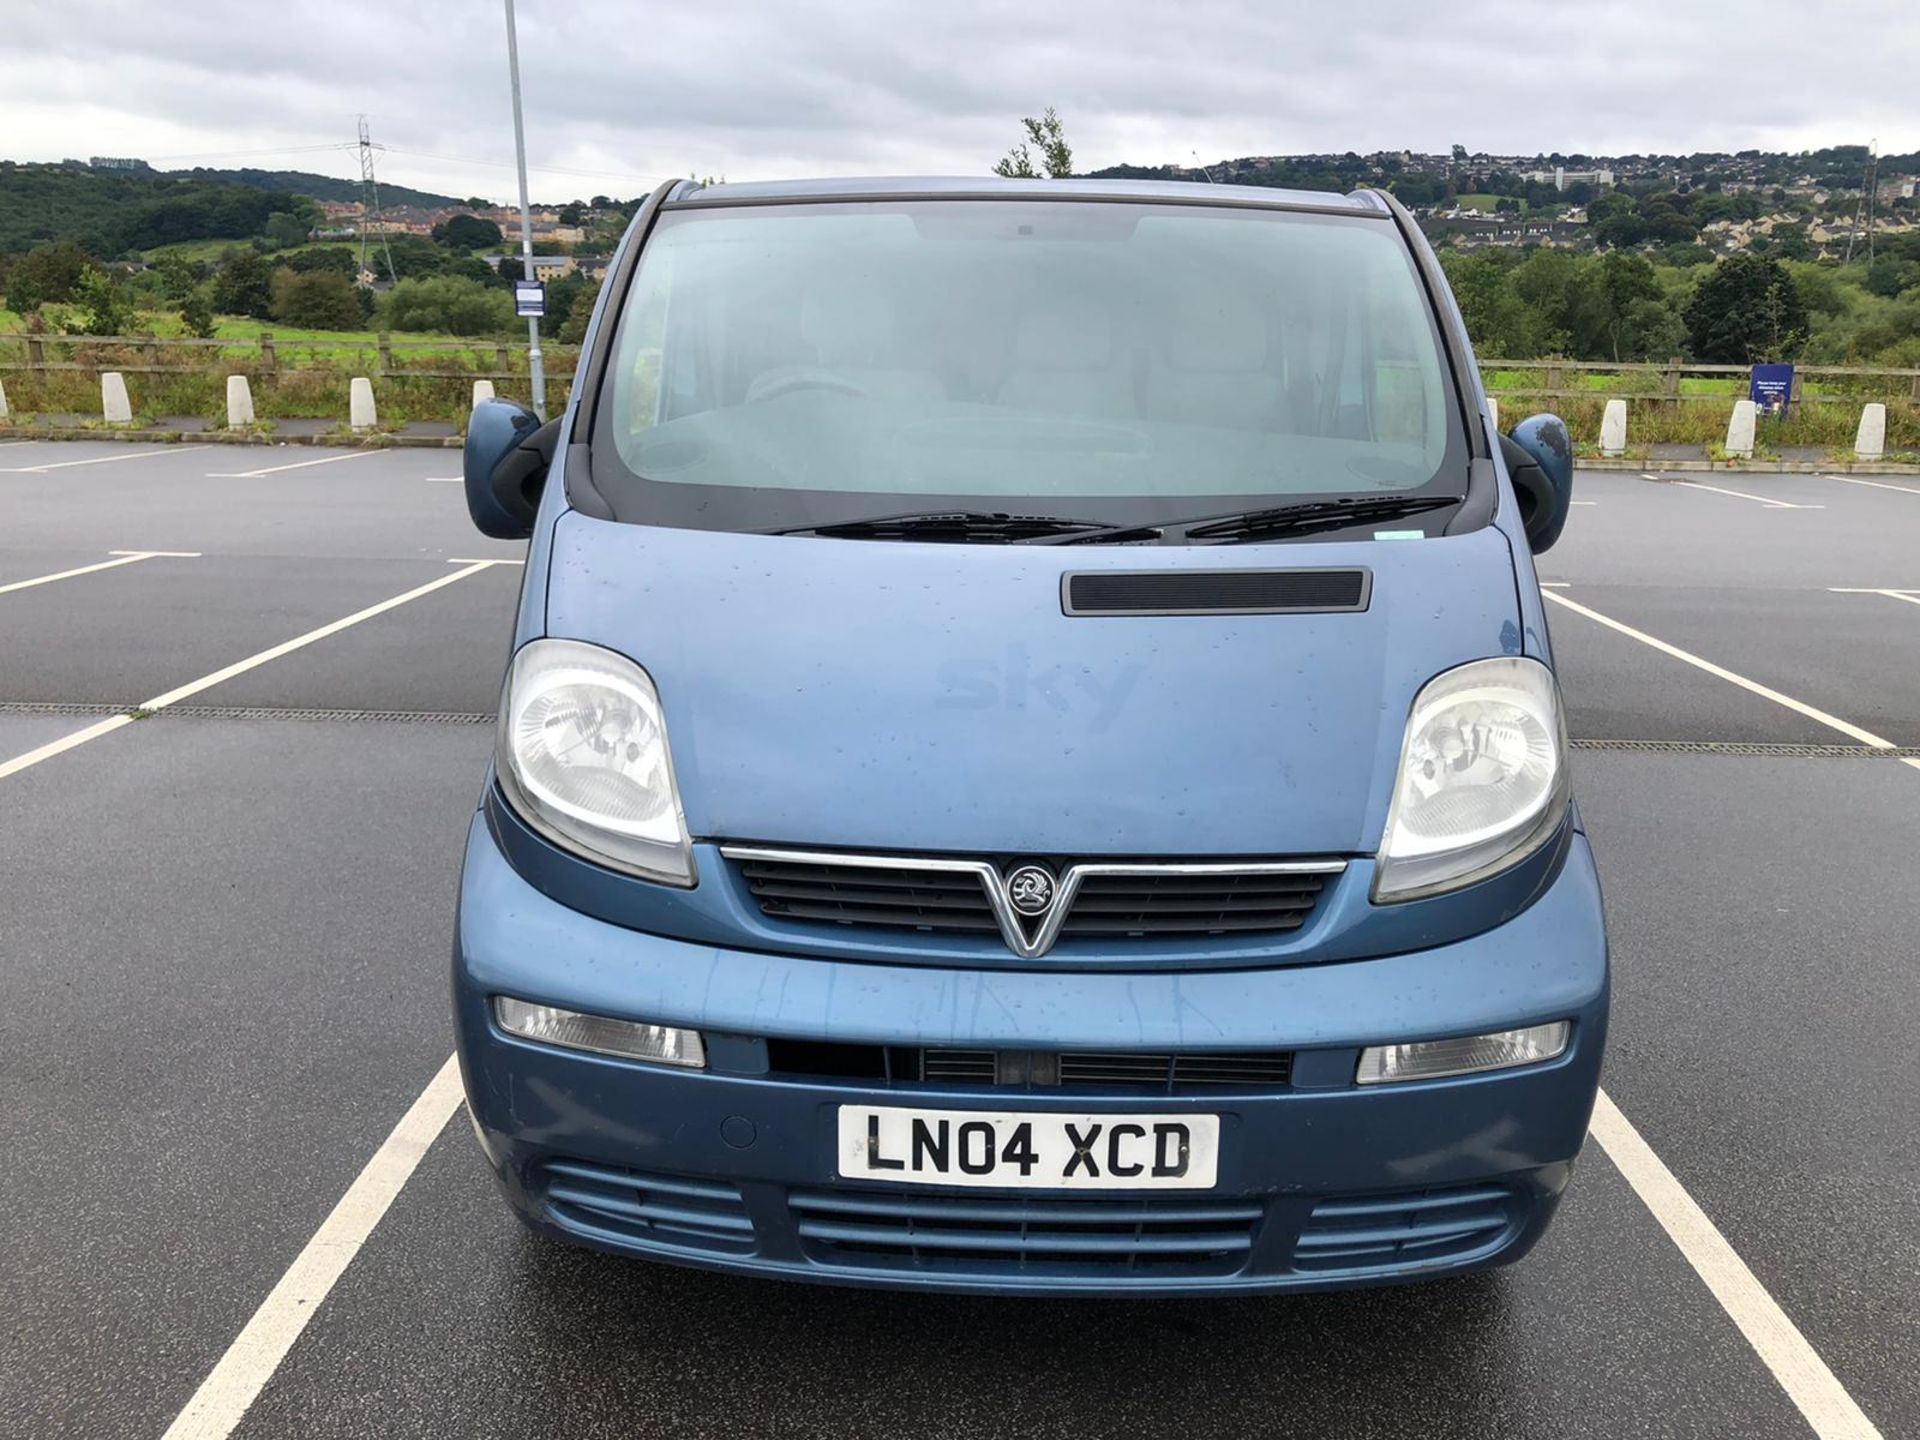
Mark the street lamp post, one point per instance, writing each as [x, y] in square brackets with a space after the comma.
[534, 362]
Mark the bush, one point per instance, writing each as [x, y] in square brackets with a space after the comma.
[317, 300]
[447, 305]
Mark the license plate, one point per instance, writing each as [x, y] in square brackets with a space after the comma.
[1011, 1150]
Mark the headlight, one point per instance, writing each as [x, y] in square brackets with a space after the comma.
[1482, 781]
[582, 754]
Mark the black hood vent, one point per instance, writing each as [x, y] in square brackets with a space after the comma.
[1214, 592]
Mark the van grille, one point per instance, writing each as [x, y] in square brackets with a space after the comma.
[939, 900]
[1191, 904]
[1158, 1071]
[1145, 899]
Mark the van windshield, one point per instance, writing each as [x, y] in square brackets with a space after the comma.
[795, 365]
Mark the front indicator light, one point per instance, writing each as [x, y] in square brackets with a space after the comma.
[601, 1034]
[1463, 1055]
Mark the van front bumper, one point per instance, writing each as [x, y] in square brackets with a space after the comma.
[1321, 1184]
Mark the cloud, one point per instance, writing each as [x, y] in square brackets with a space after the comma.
[618, 94]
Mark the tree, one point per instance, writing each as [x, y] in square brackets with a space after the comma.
[573, 329]
[336, 258]
[1625, 282]
[561, 295]
[177, 276]
[1745, 311]
[466, 232]
[573, 213]
[1501, 323]
[316, 300]
[46, 273]
[243, 286]
[104, 310]
[1056, 156]
[286, 230]
[196, 313]
[447, 304]
[1888, 275]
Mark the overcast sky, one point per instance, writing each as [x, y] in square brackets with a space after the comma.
[620, 92]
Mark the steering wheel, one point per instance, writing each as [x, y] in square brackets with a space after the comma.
[786, 382]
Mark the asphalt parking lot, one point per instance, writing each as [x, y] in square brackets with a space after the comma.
[224, 931]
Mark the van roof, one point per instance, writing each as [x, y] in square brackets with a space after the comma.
[765, 192]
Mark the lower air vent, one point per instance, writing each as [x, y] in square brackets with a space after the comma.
[988, 1237]
[1381, 1234]
[1214, 592]
[602, 1202]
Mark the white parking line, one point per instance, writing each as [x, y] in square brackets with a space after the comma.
[125, 557]
[1876, 484]
[100, 460]
[1809, 1383]
[1743, 495]
[249, 1362]
[445, 479]
[1845, 727]
[239, 667]
[1912, 597]
[296, 465]
[463, 560]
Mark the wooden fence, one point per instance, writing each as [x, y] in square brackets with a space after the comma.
[383, 355]
[266, 356]
[1661, 381]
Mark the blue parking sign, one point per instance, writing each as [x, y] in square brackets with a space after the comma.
[529, 299]
[1771, 386]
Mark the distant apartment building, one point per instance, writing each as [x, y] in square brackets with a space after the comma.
[1560, 177]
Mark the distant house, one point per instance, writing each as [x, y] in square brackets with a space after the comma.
[545, 267]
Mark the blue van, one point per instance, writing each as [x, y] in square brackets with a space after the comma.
[1030, 761]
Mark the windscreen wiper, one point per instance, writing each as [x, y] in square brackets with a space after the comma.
[1307, 517]
[962, 527]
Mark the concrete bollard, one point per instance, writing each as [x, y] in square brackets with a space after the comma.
[482, 390]
[1870, 443]
[1613, 428]
[1740, 430]
[114, 404]
[239, 402]
[1493, 413]
[360, 412]
[3, 402]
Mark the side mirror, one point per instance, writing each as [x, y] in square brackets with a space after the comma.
[1539, 456]
[505, 465]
